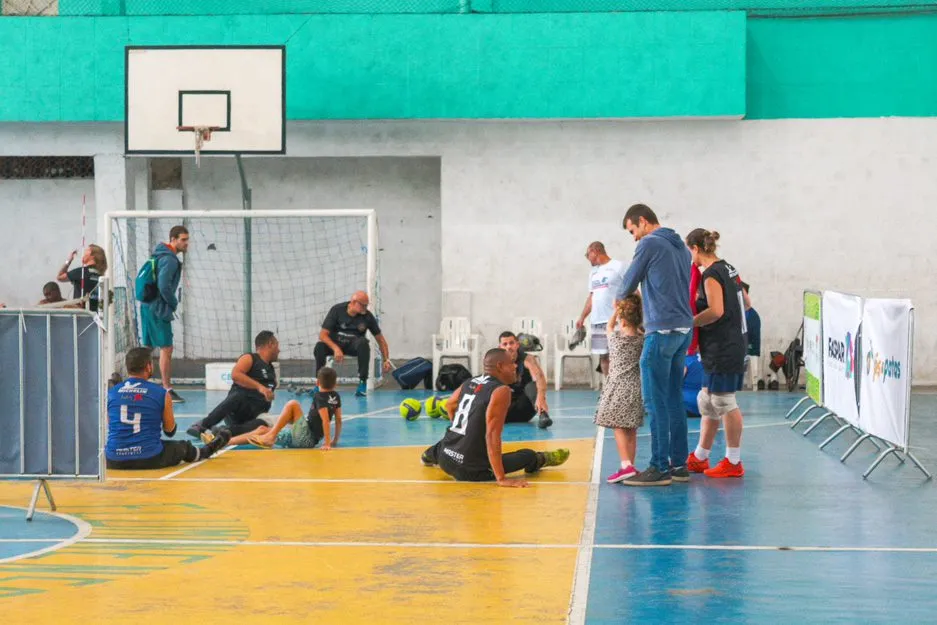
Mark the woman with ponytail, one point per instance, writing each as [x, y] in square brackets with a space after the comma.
[723, 344]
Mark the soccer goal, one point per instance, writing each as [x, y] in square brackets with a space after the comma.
[245, 271]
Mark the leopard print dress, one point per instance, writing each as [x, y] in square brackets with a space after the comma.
[621, 405]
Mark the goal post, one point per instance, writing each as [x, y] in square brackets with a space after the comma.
[246, 271]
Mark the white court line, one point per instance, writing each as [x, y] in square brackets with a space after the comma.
[84, 530]
[191, 466]
[314, 480]
[583, 572]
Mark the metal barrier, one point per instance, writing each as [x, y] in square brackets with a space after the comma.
[51, 397]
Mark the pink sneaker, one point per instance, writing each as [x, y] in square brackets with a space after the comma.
[621, 475]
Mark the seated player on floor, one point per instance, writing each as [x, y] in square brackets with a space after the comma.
[253, 380]
[137, 412]
[471, 448]
[305, 431]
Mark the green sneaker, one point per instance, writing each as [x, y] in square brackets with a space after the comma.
[554, 458]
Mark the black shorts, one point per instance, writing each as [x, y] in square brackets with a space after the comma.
[174, 452]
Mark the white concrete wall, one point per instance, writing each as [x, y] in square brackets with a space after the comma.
[842, 204]
[42, 223]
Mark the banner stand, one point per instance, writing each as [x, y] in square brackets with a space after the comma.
[895, 450]
[797, 405]
[898, 450]
[855, 445]
[803, 414]
[823, 418]
[862, 437]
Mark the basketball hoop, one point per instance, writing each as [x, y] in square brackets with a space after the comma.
[202, 135]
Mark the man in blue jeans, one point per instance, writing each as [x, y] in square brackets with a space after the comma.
[661, 266]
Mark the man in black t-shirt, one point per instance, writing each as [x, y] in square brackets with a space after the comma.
[253, 380]
[529, 390]
[471, 448]
[344, 331]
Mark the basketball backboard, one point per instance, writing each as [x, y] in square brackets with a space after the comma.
[237, 91]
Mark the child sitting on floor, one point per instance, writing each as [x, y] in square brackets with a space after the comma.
[305, 431]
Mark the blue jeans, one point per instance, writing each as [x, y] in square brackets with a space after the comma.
[662, 362]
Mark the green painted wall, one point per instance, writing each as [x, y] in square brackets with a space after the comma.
[510, 66]
[843, 67]
[398, 66]
[270, 7]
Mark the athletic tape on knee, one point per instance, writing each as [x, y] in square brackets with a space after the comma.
[724, 403]
[704, 402]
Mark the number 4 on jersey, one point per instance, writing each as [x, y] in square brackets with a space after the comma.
[135, 420]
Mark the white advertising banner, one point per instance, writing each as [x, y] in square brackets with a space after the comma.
[842, 315]
[885, 362]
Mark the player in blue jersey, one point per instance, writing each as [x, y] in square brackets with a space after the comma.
[138, 412]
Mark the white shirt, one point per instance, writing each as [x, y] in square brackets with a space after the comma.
[604, 283]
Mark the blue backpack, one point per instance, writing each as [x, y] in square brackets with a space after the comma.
[145, 283]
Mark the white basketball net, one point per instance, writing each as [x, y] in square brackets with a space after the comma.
[202, 134]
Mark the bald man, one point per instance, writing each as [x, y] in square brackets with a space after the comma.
[604, 281]
[470, 451]
[344, 331]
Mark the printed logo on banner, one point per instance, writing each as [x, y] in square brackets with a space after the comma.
[843, 355]
[881, 369]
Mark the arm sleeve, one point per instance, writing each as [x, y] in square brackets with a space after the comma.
[165, 269]
[636, 271]
[331, 320]
[372, 325]
[74, 275]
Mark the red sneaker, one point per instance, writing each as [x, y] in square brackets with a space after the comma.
[725, 469]
[695, 465]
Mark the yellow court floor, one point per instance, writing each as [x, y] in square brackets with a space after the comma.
[363, 535]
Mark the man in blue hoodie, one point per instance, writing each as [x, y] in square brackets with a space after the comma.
[156, 316]
[661, 266]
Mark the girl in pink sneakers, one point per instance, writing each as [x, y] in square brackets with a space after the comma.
[621, 406]
[722, 347]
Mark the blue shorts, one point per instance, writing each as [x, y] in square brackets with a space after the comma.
[723, 382]
[156, 332]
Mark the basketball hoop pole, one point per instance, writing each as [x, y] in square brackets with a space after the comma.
[248, 261]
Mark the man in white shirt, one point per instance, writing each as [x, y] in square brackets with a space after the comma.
[604, 282]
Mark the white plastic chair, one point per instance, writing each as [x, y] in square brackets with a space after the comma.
[532, 325]
[455, 340]
[561, 352]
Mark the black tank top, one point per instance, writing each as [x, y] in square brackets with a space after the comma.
[262, 373]
[523, 373]
[723, 344]
[464, 442]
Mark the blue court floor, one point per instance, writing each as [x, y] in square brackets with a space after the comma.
[801, 538]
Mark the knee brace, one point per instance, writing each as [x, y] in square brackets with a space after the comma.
[706, 408]
[724, 403]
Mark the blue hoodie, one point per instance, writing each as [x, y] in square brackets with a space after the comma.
[661, 265]
[168, 274]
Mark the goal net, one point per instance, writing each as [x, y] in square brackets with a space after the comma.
[243, 272]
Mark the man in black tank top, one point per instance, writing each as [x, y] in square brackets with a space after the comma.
[529, 389]
[253, 382]
[471, 448]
